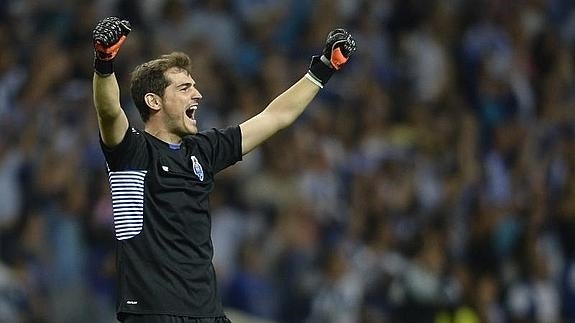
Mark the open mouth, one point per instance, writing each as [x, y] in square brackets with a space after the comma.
[191, 111]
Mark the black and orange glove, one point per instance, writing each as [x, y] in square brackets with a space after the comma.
[339, 46]
[108, 36]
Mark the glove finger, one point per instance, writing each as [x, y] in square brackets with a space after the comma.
[336, 31]
[346, 46]
[125, 27]
[334, 41]
[111, 20]
[102, 32]
[349, 47]
[102, 39]
[338, 36]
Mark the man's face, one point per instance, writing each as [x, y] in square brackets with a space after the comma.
[180, 102]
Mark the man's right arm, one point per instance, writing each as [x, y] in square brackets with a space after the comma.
[108, 36]
[112, 120]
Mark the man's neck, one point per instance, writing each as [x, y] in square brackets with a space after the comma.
[163, 135]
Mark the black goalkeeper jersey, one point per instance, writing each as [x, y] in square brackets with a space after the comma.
[162, 220]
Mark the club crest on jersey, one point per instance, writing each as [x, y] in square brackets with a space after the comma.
[198, 170]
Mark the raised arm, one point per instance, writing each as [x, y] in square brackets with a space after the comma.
[109, 34]
[284, 109]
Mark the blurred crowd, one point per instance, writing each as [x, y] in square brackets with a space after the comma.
[432, 180]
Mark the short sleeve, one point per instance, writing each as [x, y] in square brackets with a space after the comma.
[129, 154]
[223, 147]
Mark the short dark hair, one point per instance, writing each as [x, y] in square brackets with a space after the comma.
[149, 78]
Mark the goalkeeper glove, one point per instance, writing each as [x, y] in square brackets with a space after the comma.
[339, 46]
[108, 36]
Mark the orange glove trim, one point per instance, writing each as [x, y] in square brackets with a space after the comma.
[337, 58]
[110, 52]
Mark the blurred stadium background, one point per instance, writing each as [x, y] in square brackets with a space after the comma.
[431, 181]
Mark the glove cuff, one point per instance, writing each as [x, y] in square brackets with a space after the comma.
[319, 70]
[103, 68]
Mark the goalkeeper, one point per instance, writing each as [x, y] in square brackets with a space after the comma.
[161, 176]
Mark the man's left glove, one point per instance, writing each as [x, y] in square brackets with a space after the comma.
[339, 46]
[108, 36]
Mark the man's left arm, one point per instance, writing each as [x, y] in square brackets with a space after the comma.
[285, 108]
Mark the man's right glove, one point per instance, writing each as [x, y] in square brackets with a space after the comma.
[108, 36]
[339, 46]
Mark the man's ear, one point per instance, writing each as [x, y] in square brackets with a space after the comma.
[153, 101]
